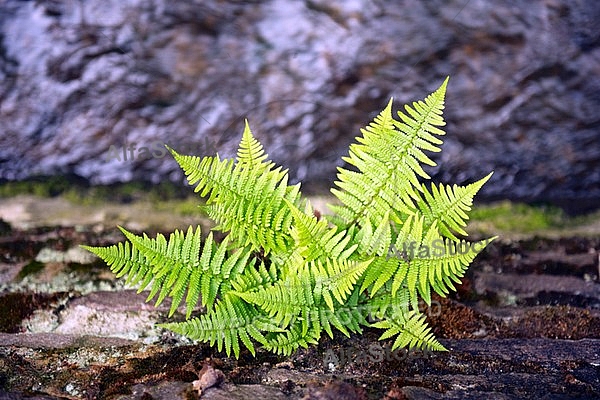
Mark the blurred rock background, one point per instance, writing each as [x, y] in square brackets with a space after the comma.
[77, 77]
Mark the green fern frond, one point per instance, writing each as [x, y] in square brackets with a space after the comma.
[380, 271]
[378, 242]
[316, 240]
[125, 260]
[282, 275]
[384, 303]
[337, 278]
[231, 321]
[306, 292]
[174, 266]
[411, 330]
[253, 279]
[449, 206]
[285, 343]
[389, 157]
[283, 301]
[251, 154]
[245, 198]
[438, 272]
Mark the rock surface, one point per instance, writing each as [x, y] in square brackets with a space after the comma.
[525, 324]
[78, 77]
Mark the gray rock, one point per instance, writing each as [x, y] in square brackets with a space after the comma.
[79, 77]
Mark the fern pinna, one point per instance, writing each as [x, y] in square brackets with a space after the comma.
[282, 276]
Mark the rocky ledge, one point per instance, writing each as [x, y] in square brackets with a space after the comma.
[525, 323]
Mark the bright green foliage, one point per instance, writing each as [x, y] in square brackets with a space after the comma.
[282, 276]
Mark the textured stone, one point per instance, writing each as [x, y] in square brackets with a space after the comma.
[79, 77]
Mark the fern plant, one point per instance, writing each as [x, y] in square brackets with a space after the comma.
[282, 276]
